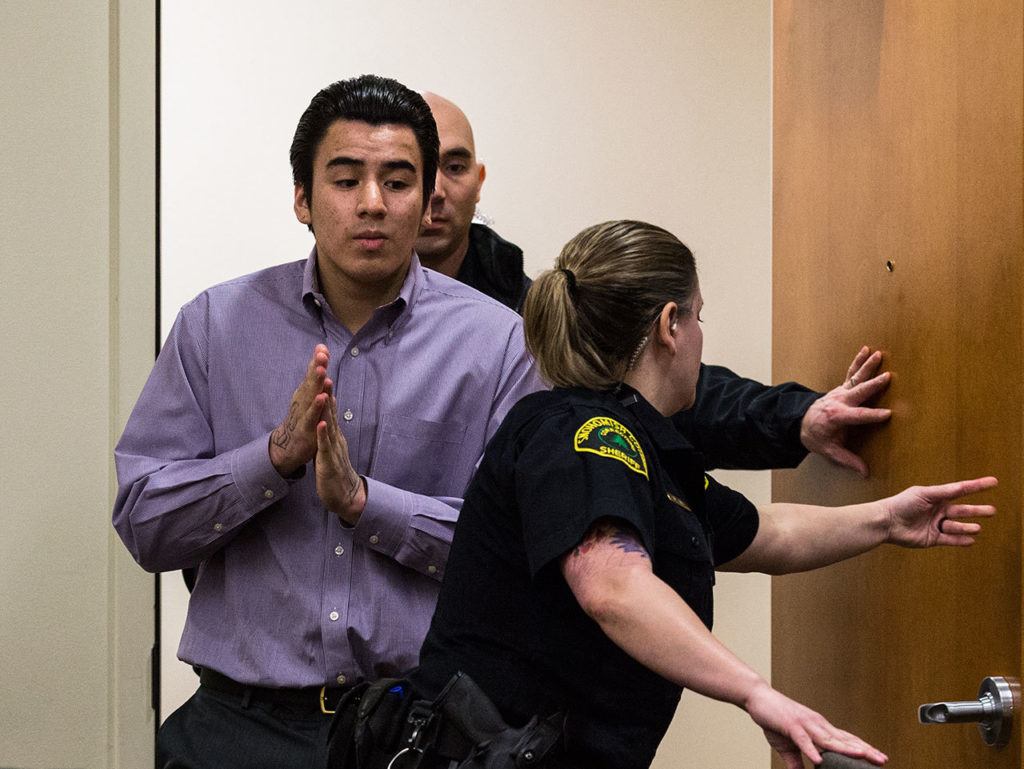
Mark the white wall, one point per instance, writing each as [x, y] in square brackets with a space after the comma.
[583, 111]
[77, 215]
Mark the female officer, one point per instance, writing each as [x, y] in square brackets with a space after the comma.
[581, 573]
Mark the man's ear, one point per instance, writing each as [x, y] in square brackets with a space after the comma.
[482, 171]
[301, 206]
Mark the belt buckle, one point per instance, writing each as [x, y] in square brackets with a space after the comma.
[323, 702]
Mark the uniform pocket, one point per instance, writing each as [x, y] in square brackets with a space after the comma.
[683, 558]
[680, 532]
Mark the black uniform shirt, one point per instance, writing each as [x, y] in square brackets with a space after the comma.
[493, 266]
[737, 422]
[561, 461]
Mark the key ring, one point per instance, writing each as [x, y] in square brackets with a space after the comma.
[402, 752]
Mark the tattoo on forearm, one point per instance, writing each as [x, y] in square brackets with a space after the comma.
[622, 538]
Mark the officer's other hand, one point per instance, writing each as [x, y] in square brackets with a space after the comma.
[793, 729]
[824, 426]
[338, 485]
[930, 516]
[293, 442]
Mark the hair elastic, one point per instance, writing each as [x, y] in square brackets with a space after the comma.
[570, 279]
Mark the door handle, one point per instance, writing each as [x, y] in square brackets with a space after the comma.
[831, 760]
[993, 711]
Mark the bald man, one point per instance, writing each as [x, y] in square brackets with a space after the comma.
[452, 244]
[735, 422]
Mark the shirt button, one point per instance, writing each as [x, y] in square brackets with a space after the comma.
[354, 352]
[218, 527]
[374, 539]
[341, 679]
[334, 616]
[268, 493]
[694, 541]
[339, 550]
[431, 569]
[347, 416]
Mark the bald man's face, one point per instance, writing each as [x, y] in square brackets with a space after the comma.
[457, 191]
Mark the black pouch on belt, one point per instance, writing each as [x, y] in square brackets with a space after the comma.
[367, 728]
[381, 725]
[495, 745]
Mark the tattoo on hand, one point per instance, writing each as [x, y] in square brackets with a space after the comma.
[283, 434]
[354, 482]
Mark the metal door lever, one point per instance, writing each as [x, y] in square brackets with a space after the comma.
[831, 760]
[993, 711]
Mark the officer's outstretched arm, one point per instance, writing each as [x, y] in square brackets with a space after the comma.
[610, 574]
[793, 538]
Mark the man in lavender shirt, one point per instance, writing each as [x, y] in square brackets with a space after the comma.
[305, 438]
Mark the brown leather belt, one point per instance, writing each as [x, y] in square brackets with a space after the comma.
[310, 699]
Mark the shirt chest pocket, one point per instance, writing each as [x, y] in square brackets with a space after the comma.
[680, 532]
[683, 556]
[421, 456]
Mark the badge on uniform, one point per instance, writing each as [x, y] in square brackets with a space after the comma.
[608, 438]
[677, 501]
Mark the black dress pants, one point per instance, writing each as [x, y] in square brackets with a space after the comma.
[213, 730]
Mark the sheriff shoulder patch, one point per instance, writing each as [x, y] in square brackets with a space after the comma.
[608, 438]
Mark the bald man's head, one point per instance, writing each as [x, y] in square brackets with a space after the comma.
[443, 244]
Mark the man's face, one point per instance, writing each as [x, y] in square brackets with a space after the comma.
[366, 205]
[457, 191]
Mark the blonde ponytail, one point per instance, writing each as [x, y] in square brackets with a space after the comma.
[585, 318]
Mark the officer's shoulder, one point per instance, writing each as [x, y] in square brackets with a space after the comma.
[492, 242]
[562, 410]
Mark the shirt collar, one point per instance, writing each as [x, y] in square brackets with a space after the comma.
[659, 427]
[394, 314]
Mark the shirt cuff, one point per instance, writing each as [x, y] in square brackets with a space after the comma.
[790, 416]
[258, 482]
[385, 520]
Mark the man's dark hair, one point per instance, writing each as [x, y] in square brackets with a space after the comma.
[369, 99]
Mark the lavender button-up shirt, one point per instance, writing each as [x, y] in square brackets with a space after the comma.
[287, 595]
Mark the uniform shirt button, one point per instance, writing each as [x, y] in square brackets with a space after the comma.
[339, 550]
[374, 539]
[334, 616]
[347, 416]
[218, 527]
[268, 493]
[431, 569]
[354, 352]
[341, 679]
[694, 541]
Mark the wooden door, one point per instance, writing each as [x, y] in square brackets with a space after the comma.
[898, 223]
